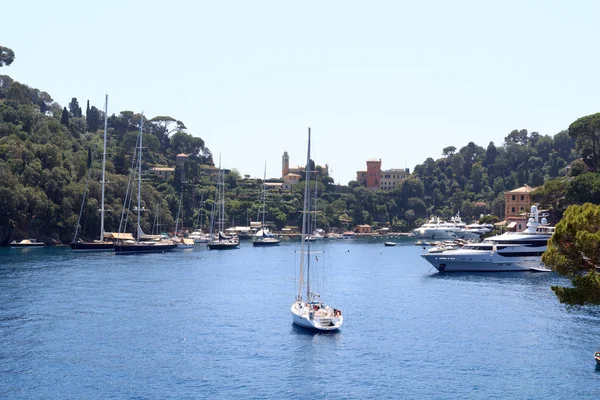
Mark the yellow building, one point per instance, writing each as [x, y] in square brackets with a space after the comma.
[517, 201]
[364, 228]
[290, 180]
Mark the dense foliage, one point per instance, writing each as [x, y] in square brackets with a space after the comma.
[574, 251]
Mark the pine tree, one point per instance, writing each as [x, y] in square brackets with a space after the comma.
[64, 119]
[74, 108]
[93, 119]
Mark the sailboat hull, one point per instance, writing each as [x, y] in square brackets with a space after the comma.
[223, 245]
[91, 246]
[309, 319]
[266, 242]
[143, 248]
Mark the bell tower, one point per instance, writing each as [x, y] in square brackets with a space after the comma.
[285, 164]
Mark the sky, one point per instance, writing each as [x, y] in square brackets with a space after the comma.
[392, 80]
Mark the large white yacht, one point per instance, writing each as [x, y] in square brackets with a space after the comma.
[437, 229]
[511, 251]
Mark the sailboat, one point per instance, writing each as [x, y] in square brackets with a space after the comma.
[309, 311]
[130, 246]
[198, 236]
[264, 237]
[221, 241]
[181, 242]
[78, 243]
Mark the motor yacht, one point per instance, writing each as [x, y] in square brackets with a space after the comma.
[437, 229]
[511, 251]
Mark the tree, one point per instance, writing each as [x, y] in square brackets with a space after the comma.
[578, 167]
[64, 119]
[74, 108]
[448, 151]
[586, 133]
[552, 194]
[93, 119]
[574, 251]
[7, 56]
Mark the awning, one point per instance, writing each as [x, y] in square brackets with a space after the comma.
[116, 235]
[511, 225]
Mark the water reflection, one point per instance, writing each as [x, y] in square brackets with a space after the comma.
[518, 277]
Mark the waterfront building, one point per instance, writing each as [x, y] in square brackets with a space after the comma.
[364, 228]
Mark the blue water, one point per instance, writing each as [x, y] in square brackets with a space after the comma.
[216, 324]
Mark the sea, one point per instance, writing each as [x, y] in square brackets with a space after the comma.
[202, 324]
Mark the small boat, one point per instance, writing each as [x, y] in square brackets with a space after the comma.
[184, 243]
[221, 241]
[389, 243]
[541, 267]
[597, 357]
[26, 243]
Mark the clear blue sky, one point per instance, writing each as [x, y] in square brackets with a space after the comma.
[396, 80]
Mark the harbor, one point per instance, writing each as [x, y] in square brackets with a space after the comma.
[82, 325]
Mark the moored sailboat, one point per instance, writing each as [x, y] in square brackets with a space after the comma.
[309, 311]
[221, 241]
[138, 246]
[264, 237]
[102, 244]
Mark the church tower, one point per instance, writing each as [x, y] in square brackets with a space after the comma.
[285, 164]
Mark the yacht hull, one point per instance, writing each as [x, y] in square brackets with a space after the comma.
[463, 263]
[143, 248]
[92, 247]
[223, 246]
[266, 243]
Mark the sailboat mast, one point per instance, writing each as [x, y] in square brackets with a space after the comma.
[140, 178]
[223, 201]
[103, 169]
[264, 197]
[308, 221]
[305, 220]
[178, 213]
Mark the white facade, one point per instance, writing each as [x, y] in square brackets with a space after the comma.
[390, 178]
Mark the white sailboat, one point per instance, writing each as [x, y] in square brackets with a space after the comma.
[220, 240]
[181, 242]
[198, 236]
[308, 311]
[78, 243]
[264, 237]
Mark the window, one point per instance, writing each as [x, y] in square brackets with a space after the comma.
[513, 209]
[522, 197]
[513, 196]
